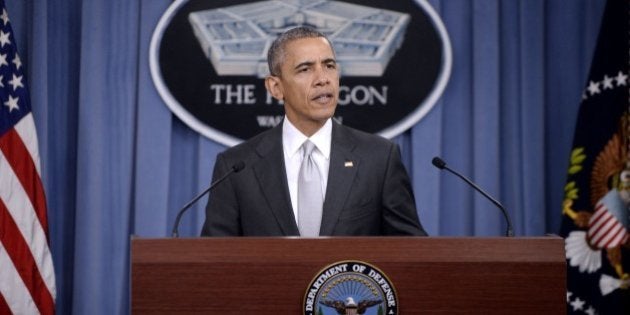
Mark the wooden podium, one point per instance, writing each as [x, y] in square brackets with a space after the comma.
[271, 275]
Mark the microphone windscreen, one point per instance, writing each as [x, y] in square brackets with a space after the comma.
[239, 166]
[439, 163]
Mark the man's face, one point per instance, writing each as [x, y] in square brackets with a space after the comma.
[308, 83]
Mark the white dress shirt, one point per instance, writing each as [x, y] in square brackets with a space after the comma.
[292, 140]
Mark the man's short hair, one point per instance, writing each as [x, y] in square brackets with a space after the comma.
[276, 53]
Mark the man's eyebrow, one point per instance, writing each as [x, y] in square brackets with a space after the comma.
[305, 63]
[310, 63]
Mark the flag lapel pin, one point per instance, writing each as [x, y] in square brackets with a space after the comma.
[348, 164]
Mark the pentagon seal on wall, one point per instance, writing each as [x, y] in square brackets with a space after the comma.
[208, 58]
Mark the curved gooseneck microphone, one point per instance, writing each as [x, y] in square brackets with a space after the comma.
[439, 163]
[239, 166]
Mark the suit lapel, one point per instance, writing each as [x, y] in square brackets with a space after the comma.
[341, 173]
[271, 175]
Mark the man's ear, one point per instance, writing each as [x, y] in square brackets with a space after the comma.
[274, 87]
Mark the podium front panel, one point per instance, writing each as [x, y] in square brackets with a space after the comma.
[271, 275]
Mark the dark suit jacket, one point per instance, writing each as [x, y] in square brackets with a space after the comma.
[370, 196]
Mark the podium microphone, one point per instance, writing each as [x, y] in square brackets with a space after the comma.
[439, 163]
[239, 166]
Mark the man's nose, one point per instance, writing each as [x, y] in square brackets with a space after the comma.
[322, 77]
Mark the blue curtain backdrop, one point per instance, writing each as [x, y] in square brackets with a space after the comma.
[117, 163]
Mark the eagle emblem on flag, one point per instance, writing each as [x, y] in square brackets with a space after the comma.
[606, 228]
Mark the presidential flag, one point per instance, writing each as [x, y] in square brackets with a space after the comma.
[595, 211]
[27, 280]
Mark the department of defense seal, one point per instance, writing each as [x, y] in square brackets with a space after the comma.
[348, 288]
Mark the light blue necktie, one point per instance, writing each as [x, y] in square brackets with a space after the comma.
[310, 196]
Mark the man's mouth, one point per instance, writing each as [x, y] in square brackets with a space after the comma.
[323, 98]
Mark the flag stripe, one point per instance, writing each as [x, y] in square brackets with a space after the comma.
[597, 233]
[22, 212]
[616, 239]
[603, 217]
[19, 158]
[609, 235]
[27, 269]
[600, 213]
[12, 288]
[25, 128]
[600, 220]
[4, 307]
[604, 229]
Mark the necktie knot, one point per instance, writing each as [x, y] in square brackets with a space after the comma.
[307, 148]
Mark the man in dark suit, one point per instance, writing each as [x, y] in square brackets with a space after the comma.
[362, 187]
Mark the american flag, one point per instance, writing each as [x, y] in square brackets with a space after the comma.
[27, 279]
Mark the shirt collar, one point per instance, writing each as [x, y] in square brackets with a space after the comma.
[292, 138]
